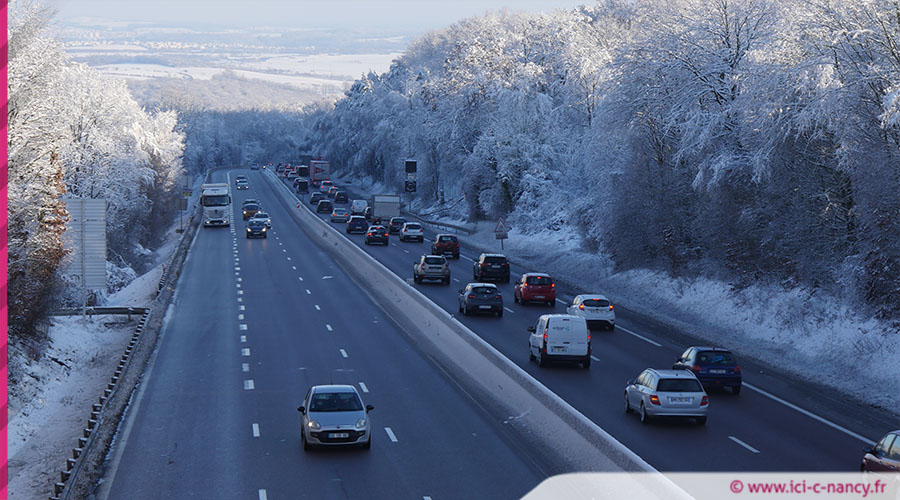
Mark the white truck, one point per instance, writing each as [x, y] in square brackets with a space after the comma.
[216, 202]
[319, 170]
[385, 206]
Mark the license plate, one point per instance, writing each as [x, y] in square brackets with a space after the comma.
[717, 371]
[679, 400]
[495, 266]
[559, 349]
[338, 435]
[539, 296]
[484, 307]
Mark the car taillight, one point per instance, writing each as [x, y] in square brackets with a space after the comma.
[610, 307]
[524, 285]
[457, 244]
[484, 264]
[506, 264]
[545, 342]
[654, 399]
[385, 234]
[581, 306]
[470, 296]
[423, 266]
[369, 234]
[552, 285]
[704, 401]
[498, 296]
[737, 369]
[695, 368]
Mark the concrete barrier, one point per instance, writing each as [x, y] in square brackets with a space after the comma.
[563, 437]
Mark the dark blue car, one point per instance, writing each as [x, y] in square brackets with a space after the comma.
[713, 366]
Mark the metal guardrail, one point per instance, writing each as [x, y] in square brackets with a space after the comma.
[63, 488]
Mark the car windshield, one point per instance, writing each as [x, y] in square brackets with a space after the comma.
[251, 207]
[335, 401]
[447, 238]
[596, 303]
[484, 289]
[215, 201]
[398, 220]
[261, 215]
[494, 260]
[434, 260]
[678, 385]
[539, 280]
[724, 358]
[413, 226]
[256, 223]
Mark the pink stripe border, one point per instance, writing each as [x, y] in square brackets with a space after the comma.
[4, 194]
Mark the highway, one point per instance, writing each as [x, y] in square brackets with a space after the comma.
[257, 322]
[777, 423]
[254, 324]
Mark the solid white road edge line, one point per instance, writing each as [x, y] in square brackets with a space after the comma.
[745, 445]
[390, 434]
[363, 387]
[810, 414]
[645, 339]
[508, 309]
[461, 256]
[344, 353]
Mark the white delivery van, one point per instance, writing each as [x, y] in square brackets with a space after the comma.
[560, 337]
[358, 207]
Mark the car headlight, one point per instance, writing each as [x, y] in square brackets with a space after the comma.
[248, 229]
[312, 424]
[361, 423]
[264, 228]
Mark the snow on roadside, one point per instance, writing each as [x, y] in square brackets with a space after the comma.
[812, 335]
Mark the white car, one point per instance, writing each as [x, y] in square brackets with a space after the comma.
[666, 393]
[334, 415]
[595, 309]
[560, 337]
[264, 217]
[412, 231]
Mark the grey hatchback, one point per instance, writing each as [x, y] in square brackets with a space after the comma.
[480, 297]
[334, 415]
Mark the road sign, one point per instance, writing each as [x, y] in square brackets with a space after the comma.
[186, 193]
[410, 166]
[410, 187]
[86, 236]
[181, 204]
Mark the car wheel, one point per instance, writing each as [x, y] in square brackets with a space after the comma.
[531, 356]
[465, 310]
[701, 420]
[367, 242]
[627, 406]
[540, 359]
[515, 298]
[500, 313]
[586, 363]
[644, 417]
[368, 444]
[612, 328]
[446, 281]
[736, 389]
[248, 236]
[550, 303]
[416, 280]
[266, 236]
[306, 445]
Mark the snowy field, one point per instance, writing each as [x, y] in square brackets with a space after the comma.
[811, 335]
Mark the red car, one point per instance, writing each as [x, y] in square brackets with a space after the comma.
[885, 457]
[445, 244]
[535, 287]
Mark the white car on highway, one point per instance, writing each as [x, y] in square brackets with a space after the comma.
[595, 309]
[263, 216]
[334, 415]
[412, 231]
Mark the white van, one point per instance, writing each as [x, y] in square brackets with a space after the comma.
[358, 207]
[560, 337]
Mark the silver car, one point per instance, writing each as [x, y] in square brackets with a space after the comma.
[263, 216]
[334, 415]
[431, 267]
[666, 393]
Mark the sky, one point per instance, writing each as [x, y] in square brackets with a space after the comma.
[418, 15]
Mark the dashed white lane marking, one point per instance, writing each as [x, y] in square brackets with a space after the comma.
[289, 258]
[240, 299]
[393, 244]
[745, 445]
[390, 434]
[243, 338]
[300, 278]
[240, 292]
[308, 292]
[245, 367]
[240, 279]
[560, 302]
[343, 353]
[283, 250]
[237, 273]
[405, 250]
[595, 358]
[262, 495]
[255, 430]
[236, 268]
[248, 385]
[426, 498]
[279, 243]
[810, 414]
[645, 339]
[242, 326]
[508, 309]
[238, 285]
[456, 280]
[294, 268]
[241, 308]
[328, 327]
[318, 308]
[240, 316]
[245, 351]
[461, 256]
[363, 387]
[327, 277]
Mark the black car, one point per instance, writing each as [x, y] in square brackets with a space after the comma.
[396, 224]
[445, 244]
[324, 207]
[256, 228]
[254, 167]
[491, 266]
[316, 197]
[250, 210]
[713, 367]
[480, 297]
[341, 197]
[357, 223]
[377, 234]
